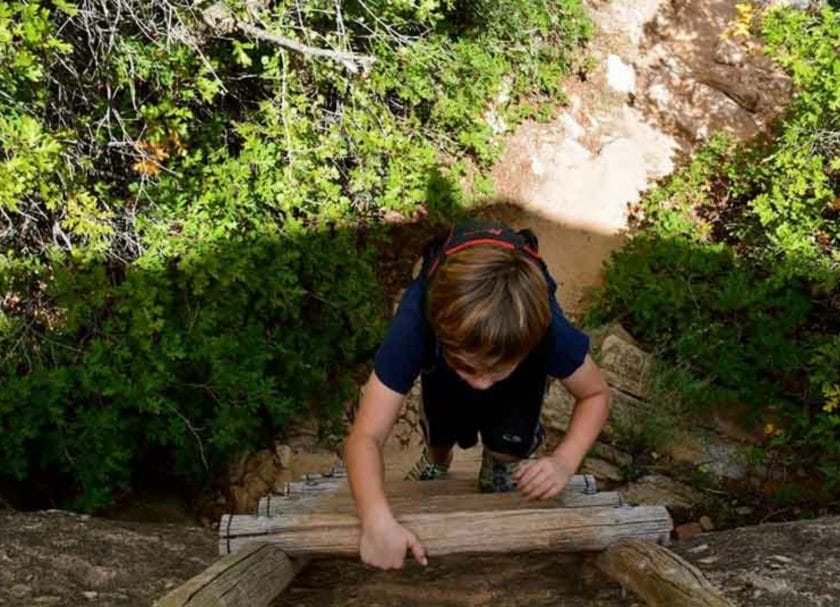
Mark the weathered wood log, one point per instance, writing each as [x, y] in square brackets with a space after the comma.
[520, 530]
[276, 503]
[312, 490]
[658, 576]
[253, 576]
[412, 504]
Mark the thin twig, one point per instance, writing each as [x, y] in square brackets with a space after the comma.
[351, 61]
[195, 434]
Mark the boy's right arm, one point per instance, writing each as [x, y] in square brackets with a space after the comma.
[383, 542]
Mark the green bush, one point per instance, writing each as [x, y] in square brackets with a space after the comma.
[182, 364]
[187, 209]
[734, 273]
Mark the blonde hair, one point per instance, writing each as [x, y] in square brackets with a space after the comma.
[489, 307]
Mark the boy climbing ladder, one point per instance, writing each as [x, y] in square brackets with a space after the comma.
[482, 327]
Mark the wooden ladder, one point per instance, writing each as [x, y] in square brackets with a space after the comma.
[263, 552]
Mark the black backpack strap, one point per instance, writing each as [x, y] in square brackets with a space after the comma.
[530, 239]
[479, 232]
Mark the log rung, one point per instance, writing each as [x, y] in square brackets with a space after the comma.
[268, 505]
[544, 529]
[412, 504]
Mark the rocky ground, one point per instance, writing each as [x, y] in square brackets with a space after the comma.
[664, 80]
[59, 558]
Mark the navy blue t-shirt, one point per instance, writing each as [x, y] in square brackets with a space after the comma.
[400, 358]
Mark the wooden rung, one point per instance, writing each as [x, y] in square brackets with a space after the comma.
[304, 492]
[520, 530]
[410, 504]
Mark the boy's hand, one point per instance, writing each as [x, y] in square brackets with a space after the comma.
[384, 543]
[543, 478]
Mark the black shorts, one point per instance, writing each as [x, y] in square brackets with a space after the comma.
[506, 415]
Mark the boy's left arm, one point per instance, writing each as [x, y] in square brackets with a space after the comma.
[544, 478]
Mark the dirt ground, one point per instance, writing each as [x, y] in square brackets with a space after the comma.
[506, 581]
[60, 558]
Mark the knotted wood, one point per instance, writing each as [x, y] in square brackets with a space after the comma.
[658, 576]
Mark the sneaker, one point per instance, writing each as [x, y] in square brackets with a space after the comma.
[426, 470]
[496, 476]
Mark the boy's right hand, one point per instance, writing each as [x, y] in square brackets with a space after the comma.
[384, 543]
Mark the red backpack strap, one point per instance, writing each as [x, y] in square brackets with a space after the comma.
[476, 232]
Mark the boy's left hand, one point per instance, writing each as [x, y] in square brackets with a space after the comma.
[543, 478]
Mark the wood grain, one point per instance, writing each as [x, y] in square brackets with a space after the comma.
[304, 492]
[521, 530]
[253, 576]
[658, 576]
[410, 504]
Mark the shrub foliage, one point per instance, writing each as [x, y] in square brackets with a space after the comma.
[182, 191]
[734, 274]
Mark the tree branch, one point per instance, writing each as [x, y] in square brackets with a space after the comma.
[219, 19]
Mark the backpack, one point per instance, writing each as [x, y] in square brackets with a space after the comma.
[479, 232]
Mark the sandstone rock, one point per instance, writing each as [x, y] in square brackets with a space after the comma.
[627, 414]
[728, 52]
[255, 487]
[659, 95]
[626, 411]
[267, 472]
[712, 454]
[749, 572]
[626, 17]
[237, 469]
[571, 126]
[611, 454]
[659, 490]
[616, 329]
[620, 76]
[800, 4]
[557, 407]
[496, 122]
[625, 366]
[242, 503]
[687, 531]
[601, 470]
[258, 459]
[284, 455]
